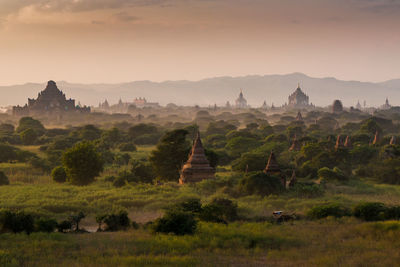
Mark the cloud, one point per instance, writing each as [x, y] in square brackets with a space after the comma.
[125, 17]
[379, 6]
[14, 6]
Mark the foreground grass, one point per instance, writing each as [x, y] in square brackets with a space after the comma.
[345, 242]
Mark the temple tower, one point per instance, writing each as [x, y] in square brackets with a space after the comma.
[197, 167]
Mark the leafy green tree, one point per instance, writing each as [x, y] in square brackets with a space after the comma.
[261, 184]
[75, 220]
[238, 145]
[220, 210]
[82, 163]
[141, 129]
[250, 162]
[89, 133]
[30, 123]
[171, 152]
[28, 136]
[176, 222]
[59, 174]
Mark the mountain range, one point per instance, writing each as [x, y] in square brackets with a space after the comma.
[256, 88]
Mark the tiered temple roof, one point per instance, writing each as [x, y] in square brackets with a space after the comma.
[197, 168]
[298, 98]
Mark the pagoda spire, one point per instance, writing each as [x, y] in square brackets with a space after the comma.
[197, 167]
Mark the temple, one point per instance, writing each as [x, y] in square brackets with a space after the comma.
[197, 168]
[50, 101]
[272, 168]
[298, 99]
[241, 102]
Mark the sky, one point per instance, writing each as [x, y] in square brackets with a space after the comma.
[112, 41]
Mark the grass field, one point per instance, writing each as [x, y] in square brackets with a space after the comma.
[330, 242]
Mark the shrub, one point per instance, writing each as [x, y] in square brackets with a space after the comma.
[45, 225]
[4, 179]
[120, 181]
[392, 213]
[75, 219]
[114, 222]
[331, 174]
[16, 222]
[127, 147]
[261, 184]
[192, 205]
[220, 210]
[176, 222]
[59, 175]
[370, 211]
[334, 209]
[64, 226]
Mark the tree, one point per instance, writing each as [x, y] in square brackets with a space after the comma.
[261, 184]
[28, 136]
[76, 219]
[30, 123]
[170, 154]
[176, 222]
[59, 175]
[4, 179]
[82, 163]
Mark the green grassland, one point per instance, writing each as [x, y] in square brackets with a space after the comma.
[328, 242]
[344, 242]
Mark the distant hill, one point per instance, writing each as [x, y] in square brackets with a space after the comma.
[272, 88]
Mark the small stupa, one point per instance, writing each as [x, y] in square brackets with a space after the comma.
[347, 143]
[393, 140]
[377, 138]
[197, 167]
[339, 143]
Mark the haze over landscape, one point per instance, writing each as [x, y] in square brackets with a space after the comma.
[87, 41]
[219, 90]
[199, 133]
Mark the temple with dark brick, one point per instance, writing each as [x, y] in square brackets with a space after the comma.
[197, 168]
[50, 101]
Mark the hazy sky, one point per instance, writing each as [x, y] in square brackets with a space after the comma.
[124, 40]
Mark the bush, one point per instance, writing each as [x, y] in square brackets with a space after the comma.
[64, 226]
[120, 181]
[16, 222]
[176, 222]
[220, 210]
[335, 210]
[261, 184]
[392, 213]
[114, 222]
[4, 179]
[192, 205]
[45, 225]
[370, 211]
[331, 174]
[127, 147]
[59, 175]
